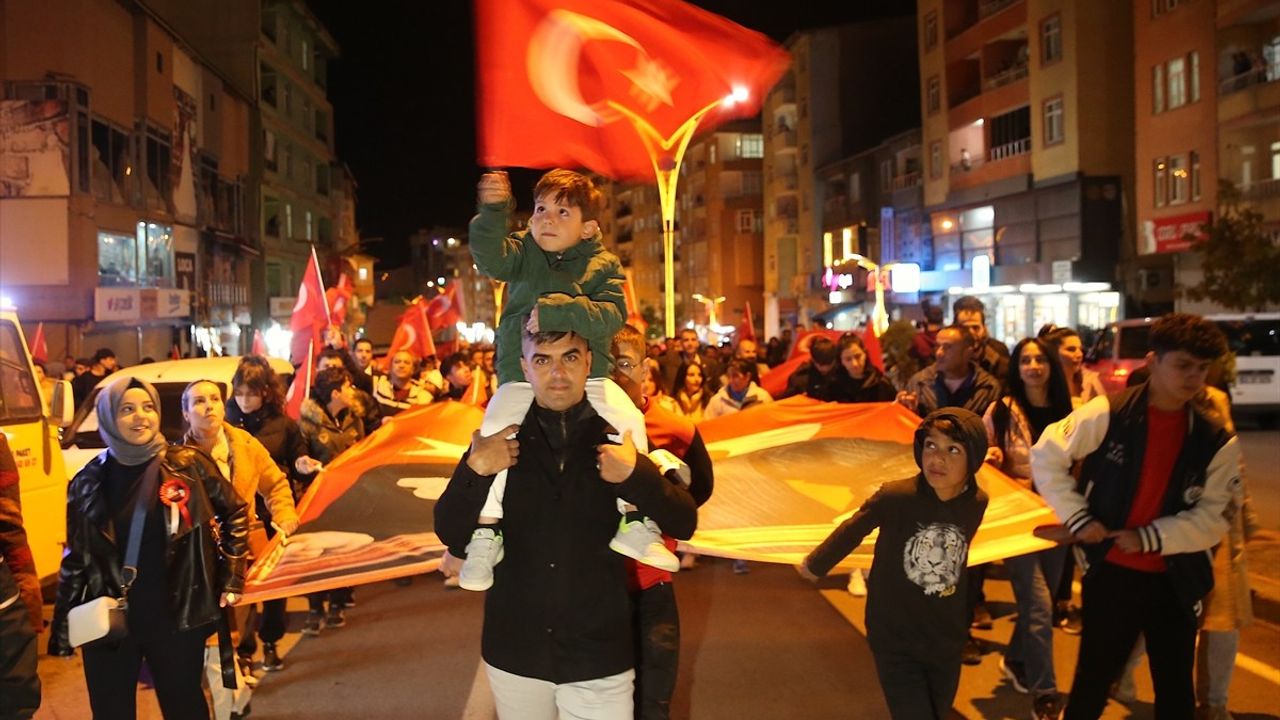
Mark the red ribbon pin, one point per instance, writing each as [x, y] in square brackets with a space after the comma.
[175, 493]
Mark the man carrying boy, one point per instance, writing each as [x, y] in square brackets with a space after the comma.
[561, 278]
[917, 612]
[1158, 474]
[557, 641]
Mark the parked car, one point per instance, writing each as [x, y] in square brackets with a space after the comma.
[1254, 339]
[33, 439]
[82, 441]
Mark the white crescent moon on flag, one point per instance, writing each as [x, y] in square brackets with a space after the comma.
[302, 298]
[413, 338]
[555, 50]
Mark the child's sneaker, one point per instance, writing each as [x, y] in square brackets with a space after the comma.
[483, 552]
[642, 541]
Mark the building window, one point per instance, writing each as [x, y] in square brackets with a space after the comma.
[309, 231]
[1051, 39]
[159, 63]
[1161, 173]
[1275, 161]
[322, 178]
[1053, 121]
[855, 187]
[306, 55]
[112, 171]
[886, 175]
[269, 150]
[286, 96]
[1195, 175]
[935, 160]
[117, 259]
[155, 247]
[267, 84]
[930, 30]
[745, 222]
[751, 145]
[1157, 89]
[1179, 180]
[934, 100]
[1177, 83]
[157, 163]
[1193, 68]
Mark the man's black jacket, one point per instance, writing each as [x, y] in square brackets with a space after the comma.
[558, 609]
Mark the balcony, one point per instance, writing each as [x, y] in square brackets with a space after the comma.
[909, 180]
[1008, 150]
[1248, 96]
[1001, 79]
[991, 7]
[784, 141]
[995, 19]
[1261, 190]
[1002, 161]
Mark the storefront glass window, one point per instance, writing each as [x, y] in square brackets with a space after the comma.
[946, 252]
[1055, 308]
[117, 259]
[155, 244]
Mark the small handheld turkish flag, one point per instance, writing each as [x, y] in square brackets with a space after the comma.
[39, 348]
[310, 314]
[567, 83]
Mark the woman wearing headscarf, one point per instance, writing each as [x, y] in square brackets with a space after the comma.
[253, 474]
[184, 576]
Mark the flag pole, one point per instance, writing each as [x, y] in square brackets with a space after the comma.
[667, 177]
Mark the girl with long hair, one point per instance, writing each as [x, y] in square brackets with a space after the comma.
[691, 394]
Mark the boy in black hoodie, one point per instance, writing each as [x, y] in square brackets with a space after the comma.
[917, 614]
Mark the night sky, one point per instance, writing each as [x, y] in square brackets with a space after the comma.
[404, 103]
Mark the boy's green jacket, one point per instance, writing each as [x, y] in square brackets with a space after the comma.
[579, 289]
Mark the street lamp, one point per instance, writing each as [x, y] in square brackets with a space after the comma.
[711, 304]
[879, 316]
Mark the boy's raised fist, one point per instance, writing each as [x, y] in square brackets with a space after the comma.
[494, 187]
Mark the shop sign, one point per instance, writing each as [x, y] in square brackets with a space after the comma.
[1061, 271]
[165, 303]
[1170, 234]
[282, 307]
[184, 270]
[116, 304]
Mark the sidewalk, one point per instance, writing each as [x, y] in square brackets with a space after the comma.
[1264, 579]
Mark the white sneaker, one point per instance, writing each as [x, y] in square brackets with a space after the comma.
[642, 541]
[483, 552]
[857, 584]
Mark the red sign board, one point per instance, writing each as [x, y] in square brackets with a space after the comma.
[1170, 234]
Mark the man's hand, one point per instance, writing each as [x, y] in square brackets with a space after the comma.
[494, 187]
[1127, 540]
[229, 599]
[492, 454]
[532, 325]
[907, 400]
[617, 462]
[450, 566]
[286, 528]
[1093, 533]
[306, 465]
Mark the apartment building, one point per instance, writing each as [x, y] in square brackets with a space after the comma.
[848, 88]
[631, 223]
[1207, 108]
[124, 168]
[873, 210]
[1027, 135]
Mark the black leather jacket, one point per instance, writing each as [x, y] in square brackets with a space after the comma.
[200, 568]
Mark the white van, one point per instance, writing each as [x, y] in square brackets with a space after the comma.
[82, 442]
[33, 438]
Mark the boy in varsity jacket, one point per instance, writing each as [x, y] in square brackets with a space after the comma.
[1154, 490]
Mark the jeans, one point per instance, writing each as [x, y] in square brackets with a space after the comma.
[1119, 605]
[1033, 576]
[657, 625]
[917, 688]
[517, 697]
[1215, 661]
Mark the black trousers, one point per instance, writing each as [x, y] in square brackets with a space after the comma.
[917, 688]
[176, 661]
[338, 598]
[1120, 603]
[657, 625]
[270, 622]
[19, 683]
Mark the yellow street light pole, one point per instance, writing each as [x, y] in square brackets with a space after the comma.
[667, 170]
[879, 316]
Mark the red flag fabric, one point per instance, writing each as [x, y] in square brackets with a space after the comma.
[310, 313]
[477, 394]
[175, 353]
[801, 344]
[338, 298]
[787, 473]
[444, 310]
[871, 341]
[747, 330]
[39, 348]
[584, 71]
[301, 385]
[259, 345]
[413, 333]
[634, 317]
[775, 381]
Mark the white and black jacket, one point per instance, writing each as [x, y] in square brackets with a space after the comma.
[1109, 434]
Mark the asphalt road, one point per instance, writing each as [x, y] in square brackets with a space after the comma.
[761, 645]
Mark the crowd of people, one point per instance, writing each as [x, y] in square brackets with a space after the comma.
[598, 430]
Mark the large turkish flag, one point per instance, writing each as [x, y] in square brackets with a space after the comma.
[561, 82]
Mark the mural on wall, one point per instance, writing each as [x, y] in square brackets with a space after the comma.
[35, 149]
